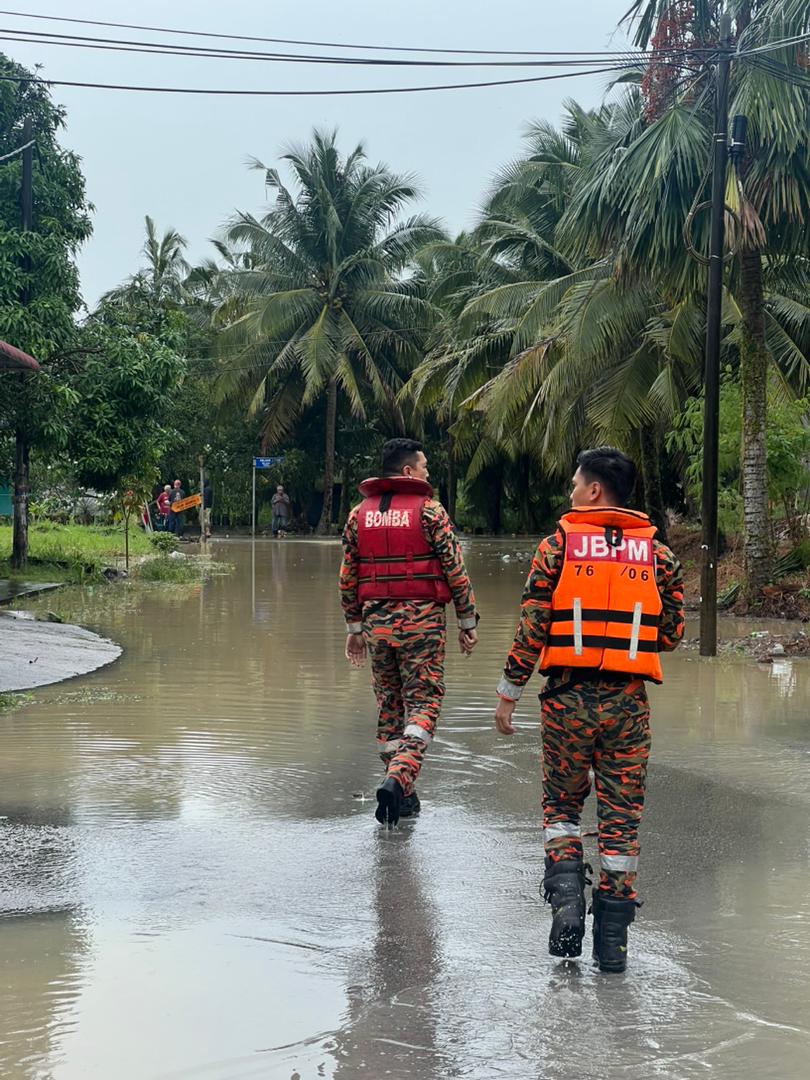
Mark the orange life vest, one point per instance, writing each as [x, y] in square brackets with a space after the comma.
[397, 562]
[606, 607]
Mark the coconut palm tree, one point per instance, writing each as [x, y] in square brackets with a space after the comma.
[326, 307]
[770, 191]
[612, 347]
[160, 284]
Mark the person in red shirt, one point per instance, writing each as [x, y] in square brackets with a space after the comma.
[163, 501]
[401, 565]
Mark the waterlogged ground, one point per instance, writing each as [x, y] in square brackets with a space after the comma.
[191, 887]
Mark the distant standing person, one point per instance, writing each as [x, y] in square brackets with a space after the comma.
[176, 521]
[281, 511]
[208, 503]
[163, 503]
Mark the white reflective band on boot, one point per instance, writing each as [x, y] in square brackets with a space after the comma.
[561, 828]
[635, 631]
[417, 733]
[619, 862]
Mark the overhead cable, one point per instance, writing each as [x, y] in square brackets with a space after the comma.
[209, 52]
[19, 150]
[222, 92]
[291, 41]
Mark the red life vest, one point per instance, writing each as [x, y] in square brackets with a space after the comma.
[396, 560]
[606, 606]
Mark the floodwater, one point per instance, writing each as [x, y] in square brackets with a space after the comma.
[192, 884]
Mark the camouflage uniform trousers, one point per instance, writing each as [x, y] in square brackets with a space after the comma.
[605, 725]
[406, 643]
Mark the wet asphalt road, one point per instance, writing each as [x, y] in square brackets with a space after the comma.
[192, 884]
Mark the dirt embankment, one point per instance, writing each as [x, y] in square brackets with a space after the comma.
[787, 599]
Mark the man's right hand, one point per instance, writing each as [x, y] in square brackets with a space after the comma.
[503, 716]
[355, 650]
[467, 640]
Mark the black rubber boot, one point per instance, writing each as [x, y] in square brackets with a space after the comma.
[389, 802]
[564, 888]
[410, 805]
[611, 917]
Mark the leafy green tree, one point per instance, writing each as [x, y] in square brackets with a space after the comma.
[126, 387]
[324, 307]
[39, 284]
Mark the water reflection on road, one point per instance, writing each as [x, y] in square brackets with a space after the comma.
[193, 886]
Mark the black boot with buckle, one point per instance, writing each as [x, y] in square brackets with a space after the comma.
[564, 888]
[612, 916]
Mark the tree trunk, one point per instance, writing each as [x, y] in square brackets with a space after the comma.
[345, 495]
[754, 374]
[452, 480]
[651, 474]
[524, 495]
[325, 523]
[19, 550]
[494, 506]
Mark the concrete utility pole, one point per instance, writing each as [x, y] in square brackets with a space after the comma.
[19, 545]
[711, 371]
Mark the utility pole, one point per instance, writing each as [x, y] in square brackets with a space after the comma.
[711, 371]
[19, 546]
[203, 533]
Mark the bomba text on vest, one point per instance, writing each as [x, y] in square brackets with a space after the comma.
[389, 519]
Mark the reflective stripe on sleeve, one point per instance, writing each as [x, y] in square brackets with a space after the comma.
[619, 862]
[508, 690]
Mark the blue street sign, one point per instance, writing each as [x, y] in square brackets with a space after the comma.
[266, 462]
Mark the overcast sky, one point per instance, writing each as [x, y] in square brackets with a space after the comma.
[182, 158]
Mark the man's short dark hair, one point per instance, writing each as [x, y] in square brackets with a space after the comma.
[615, 471]
[397, 453]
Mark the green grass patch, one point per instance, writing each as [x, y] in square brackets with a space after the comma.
[188, 570]
[71, 552]
[12, 700]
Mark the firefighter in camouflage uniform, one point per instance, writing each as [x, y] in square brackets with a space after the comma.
[603, 598]
[401, 565]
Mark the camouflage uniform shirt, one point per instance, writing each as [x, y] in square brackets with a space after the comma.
[438, 530]
[535, 610]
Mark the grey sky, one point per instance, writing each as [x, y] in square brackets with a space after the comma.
[181, 158]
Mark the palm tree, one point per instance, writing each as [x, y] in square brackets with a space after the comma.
[771, 195]
[160, 284]
[326, 306]
[611, 348]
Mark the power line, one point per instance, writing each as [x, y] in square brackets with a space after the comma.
[19, 150]
[292, 41]
[774, 46]
[308, 93]
[196, 52]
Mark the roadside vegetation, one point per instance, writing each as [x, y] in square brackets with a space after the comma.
[341, 313]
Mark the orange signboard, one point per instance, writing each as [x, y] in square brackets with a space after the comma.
[186, 504]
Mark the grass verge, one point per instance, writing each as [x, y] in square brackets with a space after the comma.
[71, 553]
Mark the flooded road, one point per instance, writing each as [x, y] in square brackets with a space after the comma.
[192, 884]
